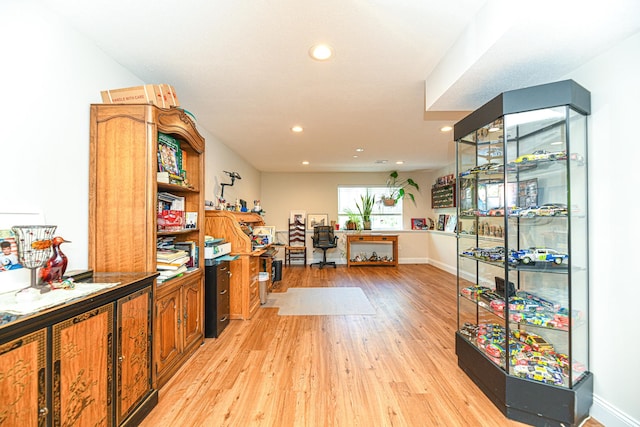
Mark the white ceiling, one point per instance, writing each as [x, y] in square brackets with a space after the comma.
[241, 66]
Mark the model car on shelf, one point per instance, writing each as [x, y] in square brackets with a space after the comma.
[520, 304]
[483, 168]
[550, 305]
[474, 290]
[535, 341]
[497, 305]
[486, 298]
[494, 350]
[544, 374]
[495, 254]
[541, 155]
[496, 212]
[548, 209]
[533, 255]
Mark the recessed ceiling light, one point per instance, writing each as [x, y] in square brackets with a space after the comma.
[297, 129]
[446, 129]
[305, 162]
[400, 162]
[381, 162]
[359, 150]
[321, 52]
[355, 156]
[494, 129]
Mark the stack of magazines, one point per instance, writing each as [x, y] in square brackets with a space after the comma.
[171, 263]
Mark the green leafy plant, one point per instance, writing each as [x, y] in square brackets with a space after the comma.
[365, 207]
[398, 188]
[353, 221]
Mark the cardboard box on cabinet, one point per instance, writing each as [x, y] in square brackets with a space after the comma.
[162, 95]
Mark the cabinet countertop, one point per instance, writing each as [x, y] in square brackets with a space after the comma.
[101, 288]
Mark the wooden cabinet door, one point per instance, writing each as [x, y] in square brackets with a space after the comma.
[133, 376]
[192, 311]
[82, 357]
[168, 341]
[23, 381]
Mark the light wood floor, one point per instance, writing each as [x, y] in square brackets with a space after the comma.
[395, 368]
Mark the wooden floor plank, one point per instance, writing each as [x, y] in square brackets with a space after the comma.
[395, 368]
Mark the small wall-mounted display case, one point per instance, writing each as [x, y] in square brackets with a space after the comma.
[523, 311]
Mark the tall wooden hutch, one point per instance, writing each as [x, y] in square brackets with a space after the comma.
[123, 204]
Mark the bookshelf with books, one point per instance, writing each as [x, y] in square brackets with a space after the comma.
[134, 210]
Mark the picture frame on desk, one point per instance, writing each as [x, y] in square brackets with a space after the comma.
[418, 223]
[317, 219]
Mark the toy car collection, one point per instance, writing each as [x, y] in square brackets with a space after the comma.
[529, 355]
[532, 255]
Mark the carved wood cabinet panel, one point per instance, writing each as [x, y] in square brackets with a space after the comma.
[23, 379]
[83, 369]
[134, 352]
[179, 324]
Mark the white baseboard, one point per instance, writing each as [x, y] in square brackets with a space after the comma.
[442, 266]
[413, 261]
[609, 415]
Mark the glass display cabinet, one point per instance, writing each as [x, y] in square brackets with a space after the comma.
[522, 265]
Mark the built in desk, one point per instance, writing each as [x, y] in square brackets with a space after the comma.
[373, 238]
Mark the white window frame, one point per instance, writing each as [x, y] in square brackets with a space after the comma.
[382, 218]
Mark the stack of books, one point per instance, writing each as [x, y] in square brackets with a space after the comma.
[171, 262]
[171, 160]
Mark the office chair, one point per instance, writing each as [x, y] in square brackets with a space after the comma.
[324, 239]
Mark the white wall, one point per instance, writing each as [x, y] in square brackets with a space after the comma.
[50, 74]
[614, 151]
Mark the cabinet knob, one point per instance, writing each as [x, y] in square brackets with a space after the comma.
[121, 358]
[43, 412]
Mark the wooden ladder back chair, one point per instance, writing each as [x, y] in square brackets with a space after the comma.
[296, 249]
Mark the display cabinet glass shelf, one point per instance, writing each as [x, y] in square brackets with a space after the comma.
[522, 265]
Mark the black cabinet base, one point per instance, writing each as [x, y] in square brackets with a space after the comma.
[523, 400]
[142, 410]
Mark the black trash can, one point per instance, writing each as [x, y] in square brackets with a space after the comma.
[276, 270]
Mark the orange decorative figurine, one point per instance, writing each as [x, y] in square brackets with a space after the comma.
[56, 265]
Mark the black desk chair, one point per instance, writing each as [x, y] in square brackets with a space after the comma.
[323, 238]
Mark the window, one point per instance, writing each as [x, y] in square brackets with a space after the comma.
[382, 218]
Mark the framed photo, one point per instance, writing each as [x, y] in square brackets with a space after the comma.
[418, 223]
[8, 251]
[297, 216]
[442, 219]
[317, 219]
[451, 224]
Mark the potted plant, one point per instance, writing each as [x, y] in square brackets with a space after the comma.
[353, 221]
[365, 208]
[398, 189]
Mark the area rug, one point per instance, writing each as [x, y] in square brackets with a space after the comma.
[320, 302]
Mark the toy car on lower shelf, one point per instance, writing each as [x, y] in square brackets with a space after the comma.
[532, 255]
